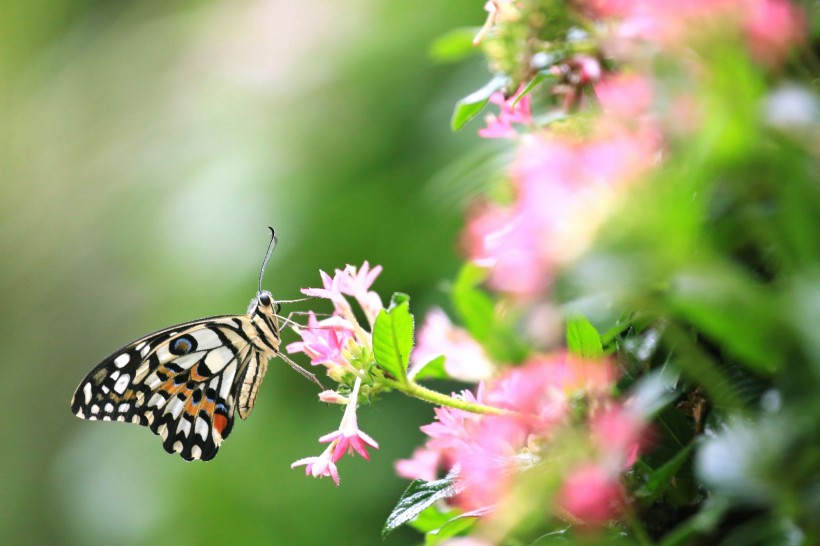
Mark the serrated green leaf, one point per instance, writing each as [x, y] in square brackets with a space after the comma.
[416, 498]
[393, 337]
[472, 105]
[455, 45]
[583, 339]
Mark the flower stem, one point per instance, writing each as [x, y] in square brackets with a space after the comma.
[434, 397]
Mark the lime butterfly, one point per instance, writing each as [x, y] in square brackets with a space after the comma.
[185, 382]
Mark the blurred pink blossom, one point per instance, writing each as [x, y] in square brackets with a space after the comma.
[770, 27]
[565, 189]
[464, 357]
[591, 494]
[422, 465]
[625, 96]
[500, 126]
[618, 434]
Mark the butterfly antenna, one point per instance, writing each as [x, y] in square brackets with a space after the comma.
[271, 246]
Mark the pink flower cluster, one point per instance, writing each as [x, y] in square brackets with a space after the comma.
[465, 359]
[564, 189]
[338, 343]
[489, 450]
[515, 109]
[770, 28]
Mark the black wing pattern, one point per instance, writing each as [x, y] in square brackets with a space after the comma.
[181, 382]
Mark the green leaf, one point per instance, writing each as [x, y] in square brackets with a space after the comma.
[431, 370]
[583, 339]
[733, 310]
[416, 498]
[472, 105]
[432, 518]
[705, 521]
[477, 312]
[393, 337]
[455, 45]
[454, 527]
[661, 478]
[541, 76]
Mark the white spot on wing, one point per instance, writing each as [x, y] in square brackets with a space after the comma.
[162, 430]
[109, 407]
[95, 409]
[184, 427]
[122, 360]
[157, 400]
[135, 419]
[227, 380]
[152, 381]
[122, 383]
[206, 339]
[105, 389]
[196, 452]
[174, 407]
[115, 375]
[186, 361]
[218, 358]
[178, 446]
[87, 392]
[201, 427]
[123, 407]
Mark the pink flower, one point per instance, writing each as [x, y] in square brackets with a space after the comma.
[331, 287]
[464, 357]
[349, 438]
[512, 110]
[488, 464]
[357, 283]
[591, 495]
[320, 466]
[618, 434]
[323, 341]
[625, 96]
[772, 27]
[423, 465]
[453, 427]
[564, 191]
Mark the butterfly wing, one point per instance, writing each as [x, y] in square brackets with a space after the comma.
[181, 382]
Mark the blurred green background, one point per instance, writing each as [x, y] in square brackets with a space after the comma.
[144, 148]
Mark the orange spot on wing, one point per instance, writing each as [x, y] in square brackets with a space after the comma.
[220, 422]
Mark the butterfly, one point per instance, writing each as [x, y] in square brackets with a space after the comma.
[186, 382]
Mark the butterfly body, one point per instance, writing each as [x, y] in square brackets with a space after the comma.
[186, 382]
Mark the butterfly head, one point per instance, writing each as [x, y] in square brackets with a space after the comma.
[264, 304]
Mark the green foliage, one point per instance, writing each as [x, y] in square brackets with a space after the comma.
[582, 338]
[472, 105]
[419, 496]
[393, 337]
[478, 312]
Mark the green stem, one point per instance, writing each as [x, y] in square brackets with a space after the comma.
[434, 397]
